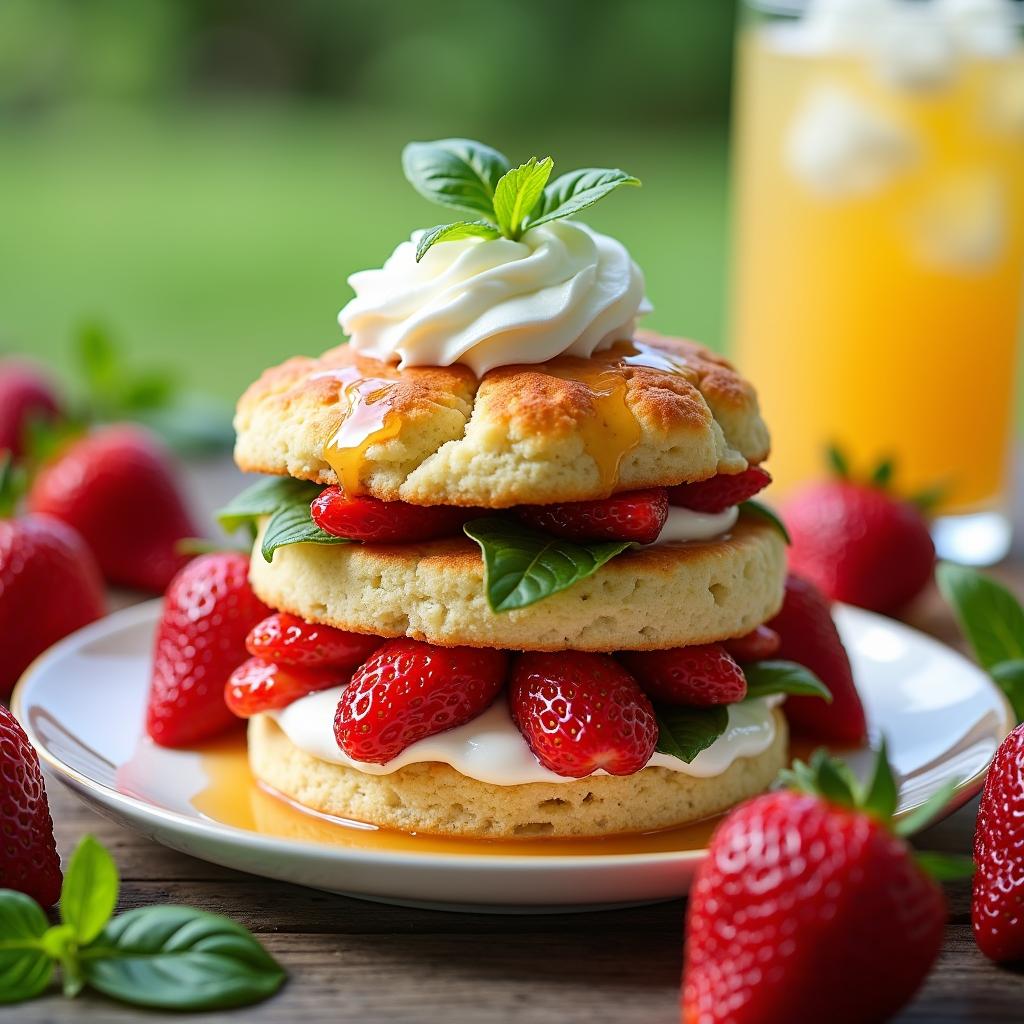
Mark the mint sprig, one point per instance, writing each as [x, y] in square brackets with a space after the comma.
[683, 732]
[167, 957]
[475, 179]
[993, 622]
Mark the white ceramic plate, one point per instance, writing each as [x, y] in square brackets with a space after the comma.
[83, 703]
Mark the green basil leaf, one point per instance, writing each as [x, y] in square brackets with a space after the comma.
[293, 524]
[684, 732]
[768, 677]
[264, 498]
[988, 613]
[518, 192]
[89, 894]
[457, 173]
[1010, 677]
[524, 566]
[575, 191]
[25, 966]
[762, 511]
[177, 958]
[452, 232]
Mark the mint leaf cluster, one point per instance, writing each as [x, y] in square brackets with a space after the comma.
[167, 957]
[504, 201]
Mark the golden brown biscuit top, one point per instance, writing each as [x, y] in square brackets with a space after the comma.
[652, 412]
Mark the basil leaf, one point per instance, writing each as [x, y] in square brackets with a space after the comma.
[458, 173]
[25, 966]
[684, 732]
[1010, 677]
[575, 191]
[987, 612]
[293, 524]
[89, 894]
[264, 498]
[517, 194]
[761, 511]
[523, 566]
[451, 232]
[178, 958]
[765, 678]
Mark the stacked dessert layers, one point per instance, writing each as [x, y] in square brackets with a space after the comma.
[532, 575]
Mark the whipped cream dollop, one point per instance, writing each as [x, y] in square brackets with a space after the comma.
[685, 524]
[562, 289]
[491, 749]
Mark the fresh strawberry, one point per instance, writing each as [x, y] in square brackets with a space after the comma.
[761, 644]
[809, 637]
[49, 583]
[116, 487]
[373, 521]
[28, 854]
[579, 712]
[258, 685]
[720, 492]
[997, 909]
[25, 394]
[807, 909]
[409, 690]
[633, 515]
[701, 676]
[859, 543]
[291, 640]
[208, 610]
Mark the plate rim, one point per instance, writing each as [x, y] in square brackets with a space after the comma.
[136, 808]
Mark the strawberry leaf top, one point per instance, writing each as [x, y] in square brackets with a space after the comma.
[504, 201]
[13, 482]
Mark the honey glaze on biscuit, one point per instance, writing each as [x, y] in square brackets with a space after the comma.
[369, 419]
[610, 430]
[233, 797]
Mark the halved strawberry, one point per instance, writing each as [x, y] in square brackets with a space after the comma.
[579, 712]
[409, 690]
[258, 685]
[633, 515]
[758, 645]
[701, 676]
[373, 521]
[720, 492]
[291, 640]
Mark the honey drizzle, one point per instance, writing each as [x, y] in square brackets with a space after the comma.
[369, 419]
[232, 797]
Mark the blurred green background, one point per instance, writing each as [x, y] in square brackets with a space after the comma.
[202, 176]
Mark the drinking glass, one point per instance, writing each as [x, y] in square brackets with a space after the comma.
[879, 245]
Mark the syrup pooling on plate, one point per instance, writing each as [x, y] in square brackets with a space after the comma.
[368, 420]
[232, 797]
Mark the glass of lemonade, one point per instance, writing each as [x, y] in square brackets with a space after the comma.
[879, 244]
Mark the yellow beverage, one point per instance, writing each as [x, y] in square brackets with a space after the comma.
[877, 301]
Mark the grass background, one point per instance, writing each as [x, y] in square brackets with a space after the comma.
[216, 241]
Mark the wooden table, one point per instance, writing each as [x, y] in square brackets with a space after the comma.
[355, 961]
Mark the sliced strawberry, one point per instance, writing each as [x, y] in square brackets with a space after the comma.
[208, 610]
[634, 515]
[291, 640]
[701, 676]
[809, 637]
[579, 712]
[28, 854]
[409, 690]
[373, 521]
[720, 492]
[759, 645]
[258, 685]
